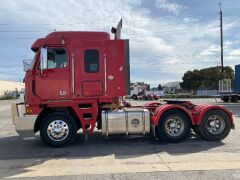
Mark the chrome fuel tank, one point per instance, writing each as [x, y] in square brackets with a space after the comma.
[126, 122]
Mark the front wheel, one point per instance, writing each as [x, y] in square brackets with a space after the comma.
[215, 125]
[58, 129]
[173, 126]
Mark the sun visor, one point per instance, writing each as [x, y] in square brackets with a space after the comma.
[37, 44]
[49, 41]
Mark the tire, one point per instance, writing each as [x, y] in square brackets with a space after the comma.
[225, 99]
[221, 122]
[234, 99]
[150, 98]
[196, 129]
[165, 132]
[134, 97]
[64, 135]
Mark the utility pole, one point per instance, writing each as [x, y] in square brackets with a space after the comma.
[221, 36]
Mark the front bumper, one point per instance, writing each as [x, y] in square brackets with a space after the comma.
[24, 124]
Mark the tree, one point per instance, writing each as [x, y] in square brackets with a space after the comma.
[206, 78]
[159, 87]
[192, 80]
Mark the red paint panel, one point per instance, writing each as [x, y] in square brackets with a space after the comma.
[115, 69]
[92, 88]
[49, 85]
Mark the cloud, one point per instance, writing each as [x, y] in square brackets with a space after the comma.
[235, 52]
[169, 7]
[213, 49]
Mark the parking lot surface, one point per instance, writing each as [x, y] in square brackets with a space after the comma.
[119, 157]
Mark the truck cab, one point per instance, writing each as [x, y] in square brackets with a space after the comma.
[78, 65]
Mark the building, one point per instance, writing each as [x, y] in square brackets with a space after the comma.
[10, 86]
[138, 87]
[172, 87]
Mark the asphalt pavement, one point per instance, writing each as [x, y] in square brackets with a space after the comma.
[119, 157]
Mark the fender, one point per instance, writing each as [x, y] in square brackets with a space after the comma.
[201, 110]
[155, 117]
[151, 104]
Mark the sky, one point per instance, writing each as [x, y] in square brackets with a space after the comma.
[167, 37]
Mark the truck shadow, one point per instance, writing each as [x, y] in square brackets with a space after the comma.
[33, 152]
[97, 145]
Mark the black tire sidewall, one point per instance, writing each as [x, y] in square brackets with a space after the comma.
[234, 99]
[68, 120]
[163, 135]
[206, 134]
[196, 129]
[134, 97]
[225, 99]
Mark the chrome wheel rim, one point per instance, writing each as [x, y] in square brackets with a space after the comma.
[215, 124]
[58, 130]
[174, 126]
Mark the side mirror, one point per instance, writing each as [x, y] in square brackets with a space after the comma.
[43, 59]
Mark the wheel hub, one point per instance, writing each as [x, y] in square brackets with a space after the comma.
[215, 124]
[174, 126]
[57, 130]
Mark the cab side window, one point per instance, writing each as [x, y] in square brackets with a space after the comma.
[91, 61]
[56, 58]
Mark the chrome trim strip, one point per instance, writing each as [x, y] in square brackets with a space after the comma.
[144, 124]
[126, 116]
[105, 74]
[106, 119]
[73, 88]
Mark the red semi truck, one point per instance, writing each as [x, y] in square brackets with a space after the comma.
[77, 80]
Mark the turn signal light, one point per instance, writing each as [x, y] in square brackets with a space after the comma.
[29, 111]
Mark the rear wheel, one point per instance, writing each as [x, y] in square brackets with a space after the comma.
[58, 129]
[215, 125]
[234, 99]
[174, 126]
[225, 99]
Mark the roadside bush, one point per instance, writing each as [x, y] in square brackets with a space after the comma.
[7, 98]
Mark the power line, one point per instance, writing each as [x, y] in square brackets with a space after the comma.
[25, 31]
[16, 38]
[234, 15]
[96, 10]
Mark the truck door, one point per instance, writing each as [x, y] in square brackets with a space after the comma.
[89, 71]
[53, 82]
